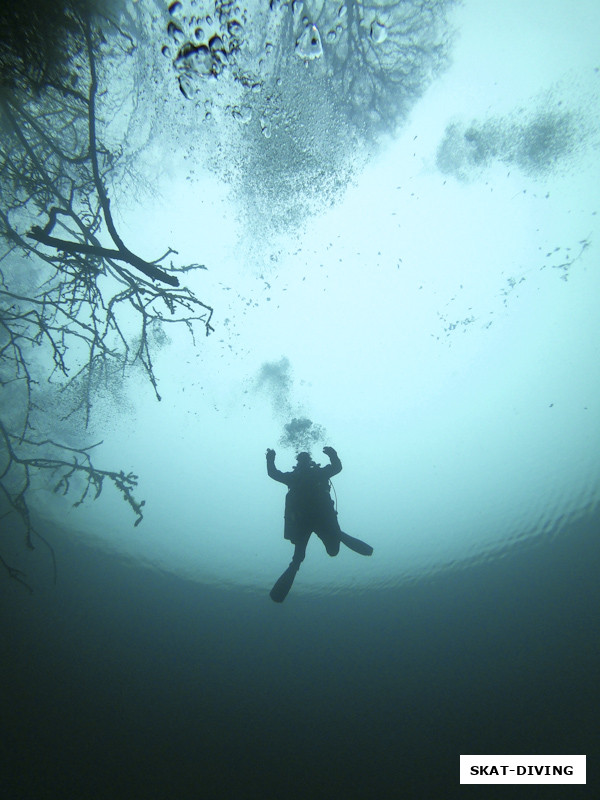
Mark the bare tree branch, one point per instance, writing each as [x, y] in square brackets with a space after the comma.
[75, 315]
[126, 255]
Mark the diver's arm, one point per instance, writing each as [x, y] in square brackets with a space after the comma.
[336, 465]
[272, 470]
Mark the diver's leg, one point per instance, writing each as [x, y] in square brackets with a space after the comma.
[355, 544]
[300, 542]
[284, 583]
[329, 534]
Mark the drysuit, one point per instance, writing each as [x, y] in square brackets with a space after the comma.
[308, 504]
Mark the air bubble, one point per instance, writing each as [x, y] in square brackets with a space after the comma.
[186, 86]
[194, 58]
[243, 114]
[309, 44]
[265, 127]
[235, 28]
[174, 31]
[216, 44]
[378, 32]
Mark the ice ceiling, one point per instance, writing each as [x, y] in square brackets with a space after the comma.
[396, 206]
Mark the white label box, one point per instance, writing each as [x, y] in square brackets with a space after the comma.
[522, 769]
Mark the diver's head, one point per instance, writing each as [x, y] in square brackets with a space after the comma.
[304, 461]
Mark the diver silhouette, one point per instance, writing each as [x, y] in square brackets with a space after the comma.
[309, 509]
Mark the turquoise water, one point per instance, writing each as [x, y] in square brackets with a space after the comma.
[396, 208]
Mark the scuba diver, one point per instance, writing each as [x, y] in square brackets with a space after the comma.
[309, 509]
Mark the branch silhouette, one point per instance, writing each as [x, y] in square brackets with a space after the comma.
[75, 315]
[75, 248]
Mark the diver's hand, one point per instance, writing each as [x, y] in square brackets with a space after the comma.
[270, 453]
[329, 451]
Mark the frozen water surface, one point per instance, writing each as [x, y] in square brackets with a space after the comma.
[397, 210]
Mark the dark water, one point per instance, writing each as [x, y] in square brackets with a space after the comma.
[124, 682]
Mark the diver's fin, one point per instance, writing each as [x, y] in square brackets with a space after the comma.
[283, 584]
[355, 544]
